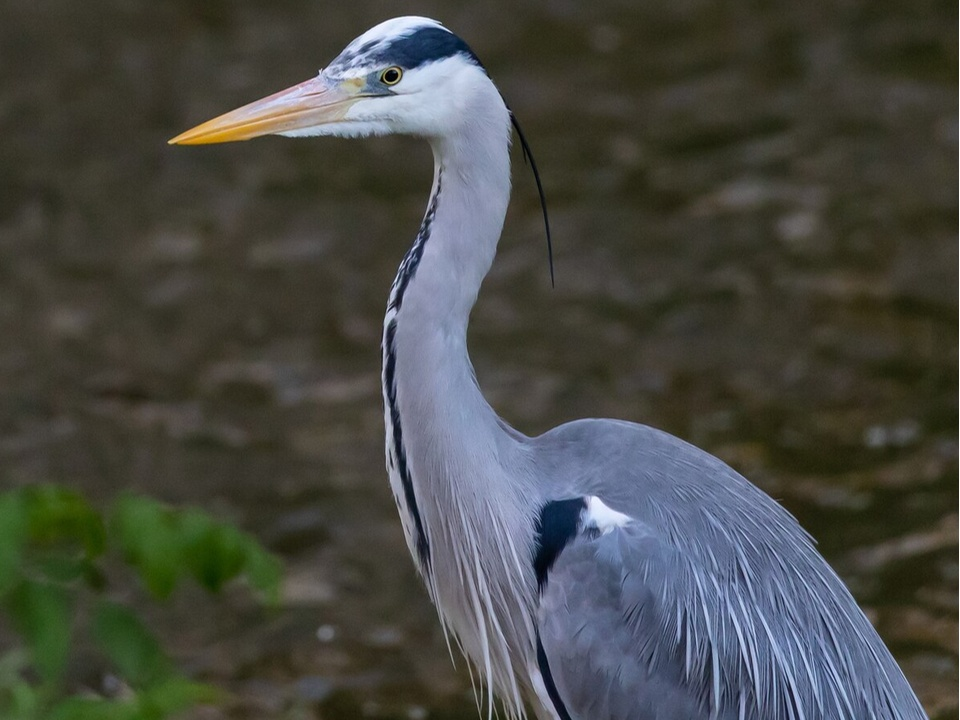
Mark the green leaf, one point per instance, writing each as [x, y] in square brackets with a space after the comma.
[264, 571]
[218, 552]
[149, 538]
[129, 645]
[197, 532]
[21, 701]
[217, 556]
[13, 523]
[58, 514]
[50, 539]
[41, 613]
[176, 694]
[61, 566]
[162, 544]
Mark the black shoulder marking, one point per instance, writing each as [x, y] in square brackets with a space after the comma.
[557, 525]
[548, 682]
[425, 46]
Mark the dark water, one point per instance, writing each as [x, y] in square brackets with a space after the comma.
[755, 214]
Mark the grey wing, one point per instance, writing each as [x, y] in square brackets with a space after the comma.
[632, 627]
[711, 602]
[600, 629]
[606, 645]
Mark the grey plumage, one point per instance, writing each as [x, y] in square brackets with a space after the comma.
[712, 603]
[604, 570]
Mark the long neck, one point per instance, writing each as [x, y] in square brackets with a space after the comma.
[457, 244]
[437, 418]
[455, 468]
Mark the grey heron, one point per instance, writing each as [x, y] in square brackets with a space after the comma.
[604, 570]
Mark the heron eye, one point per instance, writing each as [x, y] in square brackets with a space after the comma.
[391, 76]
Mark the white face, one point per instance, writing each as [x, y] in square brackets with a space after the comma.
[407, 75]
[426, 101]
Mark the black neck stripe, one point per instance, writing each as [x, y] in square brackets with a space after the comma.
[408, 269]
[389, 372]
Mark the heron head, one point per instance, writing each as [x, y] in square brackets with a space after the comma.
[408, 75]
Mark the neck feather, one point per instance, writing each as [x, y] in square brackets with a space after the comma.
[456, 469]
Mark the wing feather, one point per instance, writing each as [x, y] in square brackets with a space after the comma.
[633, 628]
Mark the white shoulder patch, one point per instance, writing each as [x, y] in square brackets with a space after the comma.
[602, 517]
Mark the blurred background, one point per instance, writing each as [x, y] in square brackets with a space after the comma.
[754, 209]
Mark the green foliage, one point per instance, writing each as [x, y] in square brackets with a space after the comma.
[41, 613]
[164, 545]
[133, 648]
[52, 546]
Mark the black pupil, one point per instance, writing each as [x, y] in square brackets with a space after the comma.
[391, 76]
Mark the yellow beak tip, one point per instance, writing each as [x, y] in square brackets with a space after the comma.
[181, 139]
[191, 137]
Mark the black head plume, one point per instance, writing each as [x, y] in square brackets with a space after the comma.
[528, 157]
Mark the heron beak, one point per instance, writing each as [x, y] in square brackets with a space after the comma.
[311, 103]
